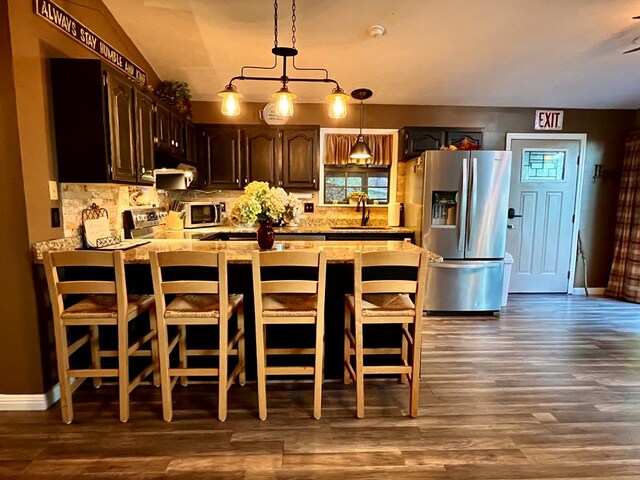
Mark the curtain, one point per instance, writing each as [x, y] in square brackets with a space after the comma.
[624, 280]
[338, 146]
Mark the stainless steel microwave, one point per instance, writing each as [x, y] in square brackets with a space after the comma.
[202, 214]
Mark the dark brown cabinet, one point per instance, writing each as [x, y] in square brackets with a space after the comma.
[177, 135]
[163, 128]
[415, 140]
[300, 158]
[103, 124]
[191, 142]
[122, 140]
[144, 122]
[286, 157]
[261, 155]
[219, 157]
[231, 157]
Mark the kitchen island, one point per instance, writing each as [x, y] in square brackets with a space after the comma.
[340, 257]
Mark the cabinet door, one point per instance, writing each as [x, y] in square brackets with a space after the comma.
[177, 135]
[163, 127]
[418, 140]
[464, 139]
[191, 143]
[262, 153]
[121, 130]
[300, 158]
[221, 157]
[144, 121]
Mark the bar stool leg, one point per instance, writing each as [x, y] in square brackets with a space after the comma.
[262, 360]
[359, 369]
[182, 351]
[404, 349]
[415, 371]
[95, 353]
[222, 369]
[66, 407]
[165, 378]
[123, 368]
[318, 369]
[347, 343]
[153, 321]
[242, 377]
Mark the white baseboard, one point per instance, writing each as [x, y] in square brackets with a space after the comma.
[596, 291]
[37, 401]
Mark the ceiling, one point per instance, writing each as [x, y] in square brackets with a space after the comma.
[515, 53]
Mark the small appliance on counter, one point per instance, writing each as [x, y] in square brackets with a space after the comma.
[202, 214]
[151, 223]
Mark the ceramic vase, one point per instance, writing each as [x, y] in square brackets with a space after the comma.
[266, 236]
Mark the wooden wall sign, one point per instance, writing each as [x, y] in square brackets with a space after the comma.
[83, 35]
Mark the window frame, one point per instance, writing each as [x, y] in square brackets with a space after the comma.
[366, 171]
[393, 170]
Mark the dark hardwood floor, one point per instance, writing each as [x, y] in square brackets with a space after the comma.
[549, 390]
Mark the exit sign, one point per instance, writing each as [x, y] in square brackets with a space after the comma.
[549, 119]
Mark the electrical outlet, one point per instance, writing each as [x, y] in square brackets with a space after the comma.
[55, 217]
[308, 207]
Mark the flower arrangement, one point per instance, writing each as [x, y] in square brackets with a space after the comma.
[259, 203]
[354, 197]
[292, 206]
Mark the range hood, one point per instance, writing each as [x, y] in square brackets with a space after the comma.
[178, 178]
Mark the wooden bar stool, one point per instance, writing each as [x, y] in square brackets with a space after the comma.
[289, 302]
[197, 302]
[104, 303]
[385, 301]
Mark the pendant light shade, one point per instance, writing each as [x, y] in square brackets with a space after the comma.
[360, 150]
[230, 101]
[284, 102]
[338, 103]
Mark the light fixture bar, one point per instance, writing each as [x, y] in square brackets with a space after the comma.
[337, 97]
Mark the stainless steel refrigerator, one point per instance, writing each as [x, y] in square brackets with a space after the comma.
[457, 203]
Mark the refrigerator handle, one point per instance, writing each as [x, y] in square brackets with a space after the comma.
[462, 204]
[473, 200]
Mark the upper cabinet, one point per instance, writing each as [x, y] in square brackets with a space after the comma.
[109, 129]
[415, 140]
[232, 157]
[103, 124]
[219, 157]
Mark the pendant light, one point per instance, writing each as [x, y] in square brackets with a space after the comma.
[284, 97]
[360, 150]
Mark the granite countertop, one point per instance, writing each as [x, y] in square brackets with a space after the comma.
[240, 251]
[307, 229]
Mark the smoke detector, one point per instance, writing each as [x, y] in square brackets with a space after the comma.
[376, 31]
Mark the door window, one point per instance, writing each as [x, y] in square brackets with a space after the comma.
[543, 165]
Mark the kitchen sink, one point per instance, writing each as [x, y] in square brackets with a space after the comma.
[359, 227]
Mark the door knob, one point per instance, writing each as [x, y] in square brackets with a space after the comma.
[511, 226]
[511, 213]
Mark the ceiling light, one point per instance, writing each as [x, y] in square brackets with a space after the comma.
[284, 97]
[360, 150]
[376, 31]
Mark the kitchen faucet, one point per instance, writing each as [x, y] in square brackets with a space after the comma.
[365, 219]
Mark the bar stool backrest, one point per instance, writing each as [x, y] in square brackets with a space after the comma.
[415, 285]
[186, 258]
[57, 288]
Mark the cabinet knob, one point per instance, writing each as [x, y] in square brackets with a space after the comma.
[279, 183]
[314, 181]
[143, 169]
[155, 140]
[238, 181]
[246, 180]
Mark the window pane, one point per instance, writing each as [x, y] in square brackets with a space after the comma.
[378, 181]
[334, 193]
[354, 181]
[338, 181]
[379, 194]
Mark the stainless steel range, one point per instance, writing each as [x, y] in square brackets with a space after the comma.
[150, 222]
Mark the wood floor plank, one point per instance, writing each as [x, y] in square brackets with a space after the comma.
[549, 390]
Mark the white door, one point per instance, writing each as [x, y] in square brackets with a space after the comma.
[543, 191]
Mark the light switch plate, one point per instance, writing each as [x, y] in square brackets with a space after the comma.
[53, 190]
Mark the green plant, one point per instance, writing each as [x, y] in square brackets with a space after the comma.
[174, 92]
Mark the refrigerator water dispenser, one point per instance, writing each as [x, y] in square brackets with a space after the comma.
[444, 205]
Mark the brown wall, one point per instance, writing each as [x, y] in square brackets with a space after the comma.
[18, 324]
[605, 131]
[28, 163]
